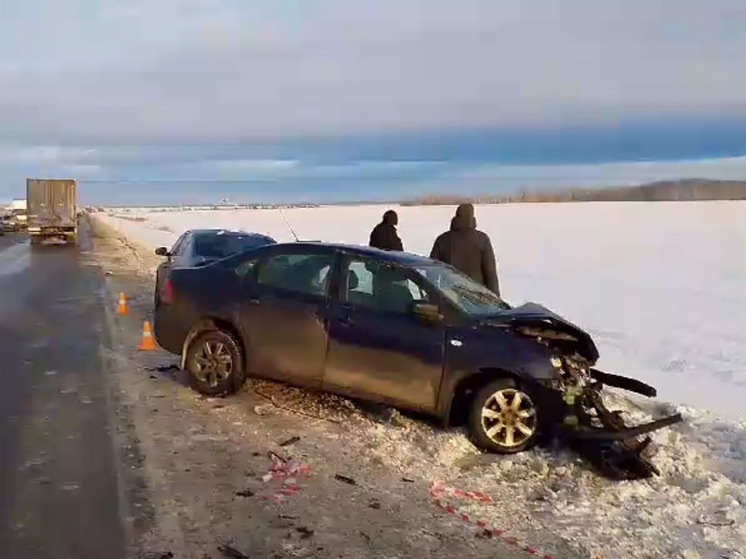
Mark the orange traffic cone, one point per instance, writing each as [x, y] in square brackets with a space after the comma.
[147, 343]
[123, 308]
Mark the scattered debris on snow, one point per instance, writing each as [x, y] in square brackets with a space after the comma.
[696, 507]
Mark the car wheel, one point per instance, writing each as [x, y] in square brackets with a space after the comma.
[215, 363]
[503, 418]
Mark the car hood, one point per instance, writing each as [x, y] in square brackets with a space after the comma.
[535, 319]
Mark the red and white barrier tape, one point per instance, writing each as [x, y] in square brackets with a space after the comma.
[289, 471]
[437, 491]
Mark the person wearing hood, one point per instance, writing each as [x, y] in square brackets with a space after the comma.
[468, 249]
[384, 235]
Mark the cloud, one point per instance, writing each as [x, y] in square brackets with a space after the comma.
[312, 172]
[83, 172]
[220, 71]
[225, 90]
[45, 155]
[623, 173]
[242, 166]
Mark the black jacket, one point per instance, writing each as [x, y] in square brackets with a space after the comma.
[468, 250]
[384, 236]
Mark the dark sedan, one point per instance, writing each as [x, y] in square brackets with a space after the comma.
[388, 327]
[197, 247]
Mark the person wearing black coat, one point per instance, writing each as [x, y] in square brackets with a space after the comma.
[384, 235]
[468, 249]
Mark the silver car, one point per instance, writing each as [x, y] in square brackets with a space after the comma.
[6, 224]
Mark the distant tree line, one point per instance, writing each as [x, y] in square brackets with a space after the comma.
[661, 191]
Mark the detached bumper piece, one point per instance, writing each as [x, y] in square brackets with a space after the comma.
[616, 450]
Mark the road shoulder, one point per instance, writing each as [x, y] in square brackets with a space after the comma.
[204, 460]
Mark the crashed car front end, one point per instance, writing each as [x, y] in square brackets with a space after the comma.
[577, 412]
[602, 436]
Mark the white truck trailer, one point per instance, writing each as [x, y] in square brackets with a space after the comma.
[52, 209]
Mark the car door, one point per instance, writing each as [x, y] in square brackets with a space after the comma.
[377, 347]
[284, 315]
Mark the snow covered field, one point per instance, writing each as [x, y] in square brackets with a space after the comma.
[661, 287]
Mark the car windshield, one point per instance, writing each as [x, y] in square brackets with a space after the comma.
[221, 245]
[469, 296]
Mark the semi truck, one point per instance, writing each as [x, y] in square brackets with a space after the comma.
[52, 210]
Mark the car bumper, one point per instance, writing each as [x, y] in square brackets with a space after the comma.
[616, 449]
[631, 385]
[38, 230]
[170, 329]
[588, 433]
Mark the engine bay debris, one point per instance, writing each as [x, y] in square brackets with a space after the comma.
[601, 436]
[614, 449]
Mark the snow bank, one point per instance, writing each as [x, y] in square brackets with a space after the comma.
[660, 286]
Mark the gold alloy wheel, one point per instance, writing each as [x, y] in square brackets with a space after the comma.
[213, 363]
[509, 417]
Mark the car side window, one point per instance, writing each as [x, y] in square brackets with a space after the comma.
[185, 249]
[380, 286]
[178, 245]
[303, 272]
[246, 268]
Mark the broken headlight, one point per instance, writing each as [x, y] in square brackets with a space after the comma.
[577, 369]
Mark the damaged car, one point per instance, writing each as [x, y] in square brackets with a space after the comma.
[403, 330]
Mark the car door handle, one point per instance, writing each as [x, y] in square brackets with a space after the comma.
[254, 301]
[346, 321]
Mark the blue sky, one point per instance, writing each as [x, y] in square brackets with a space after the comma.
[219, 89]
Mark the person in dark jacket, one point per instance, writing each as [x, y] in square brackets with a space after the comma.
[384, 235]
[468, 249]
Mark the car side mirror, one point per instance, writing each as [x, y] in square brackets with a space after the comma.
[162, 251]
[427, 312]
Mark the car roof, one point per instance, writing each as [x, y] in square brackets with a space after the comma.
[233, 232]
[397, 257]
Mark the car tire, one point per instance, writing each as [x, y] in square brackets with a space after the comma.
[499, 423]
[215, 363]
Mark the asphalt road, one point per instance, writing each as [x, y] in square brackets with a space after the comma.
[59, 495]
